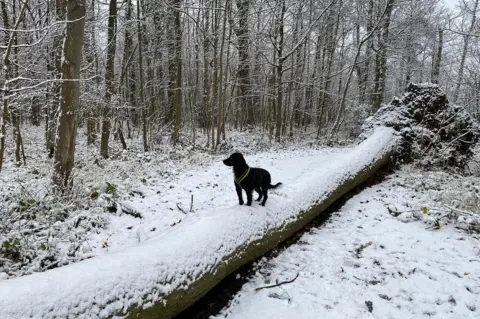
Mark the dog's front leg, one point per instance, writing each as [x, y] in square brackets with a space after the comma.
[239, 193]
[249, 196]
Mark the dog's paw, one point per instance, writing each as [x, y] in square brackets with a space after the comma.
[240, 203]
[249, 204]
[262, 204]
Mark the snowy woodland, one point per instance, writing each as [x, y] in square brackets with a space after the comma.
[115, 118]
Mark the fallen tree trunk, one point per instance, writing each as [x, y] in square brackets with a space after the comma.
[162, 277]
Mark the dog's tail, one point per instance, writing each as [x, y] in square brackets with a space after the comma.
[275, 186]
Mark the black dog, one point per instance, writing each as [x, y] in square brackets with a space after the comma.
[249, 178]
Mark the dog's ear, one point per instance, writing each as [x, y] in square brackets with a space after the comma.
[240, 159]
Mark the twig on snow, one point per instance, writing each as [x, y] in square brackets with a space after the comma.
[359, 250]
[277, 284]
[181, 209]
[131, 211]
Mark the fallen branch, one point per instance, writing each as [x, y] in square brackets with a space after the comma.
[181, 209]
[131, 211]
[359, 250]
[278, 283]
[191, 204]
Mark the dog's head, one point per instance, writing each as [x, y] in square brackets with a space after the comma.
[235, 160]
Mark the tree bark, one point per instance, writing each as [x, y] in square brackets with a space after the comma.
[221, 88]
[243, 70]
[92, 112]
[279, 72]
[381, 58]
[53, 108]
[437, 58]
[109, 77]
[177, 103]
[140, 66]
[69, 104]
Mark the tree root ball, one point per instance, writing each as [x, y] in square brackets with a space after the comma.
[434, 133]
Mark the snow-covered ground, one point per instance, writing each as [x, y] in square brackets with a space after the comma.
[383, 255]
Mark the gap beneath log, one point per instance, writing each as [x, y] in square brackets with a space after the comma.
[220, 296]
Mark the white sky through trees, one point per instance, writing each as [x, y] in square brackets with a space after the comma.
[451, 3]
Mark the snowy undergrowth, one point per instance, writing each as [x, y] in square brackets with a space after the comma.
[382, 255]
[438, 198]
[116, 202]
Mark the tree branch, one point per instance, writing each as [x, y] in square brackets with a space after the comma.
[278, 283]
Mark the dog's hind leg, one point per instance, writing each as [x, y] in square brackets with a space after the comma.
[265, 196]
[260, 194]
[265, 193]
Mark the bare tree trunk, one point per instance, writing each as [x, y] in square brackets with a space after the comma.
[327, 66]
[206, 72]
[109, 77]
[381, 60]
[221, 91]
[6, 88]
[214, 95]
[178, 74]
[67, 129]
[279, 73]
[60, 13]
[14, 111]
[129, 72]
[466, 42]
[6, 63]
[437, 60]
[92, 112]
[120, 136]
[243, 71]
[363, 71]
[140, 66]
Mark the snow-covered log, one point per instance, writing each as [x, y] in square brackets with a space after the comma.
[161, 277]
